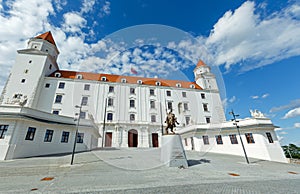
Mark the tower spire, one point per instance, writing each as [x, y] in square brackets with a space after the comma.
[46, 36]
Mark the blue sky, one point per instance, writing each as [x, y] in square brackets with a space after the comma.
[254, 44]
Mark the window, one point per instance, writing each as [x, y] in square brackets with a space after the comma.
[205, 107]
[192, 86]
[132, 90]
[80, 137]
[269, 136]
[207, 119]
[170, 107]
[219, 139]
[65, 137]
[139, 81]
[58, 98]
[84, 100]
[50, 66]
[82, 115]
[30, 61]
[56, 112]
[87, 87]
[187, 120]
[47, 85]
[23, 80]
[185, 106]
[30, 133]
[48, 135]
[151, 92]
[110, 102]
[123, 80]
[185, 142]
[249, 138]
[57, 74]
[103, 79]
[26, 71]
[178, 85]
[61, 85]
[205, 139]
[153, 118]
[184, 94]
[168, 93]
[3, 129]
[152, 104]
[109, 116]
[132, 117]
[157, 83]
[202, 95]
[79, 76]
[111, 89]
[131, 104]
[233, 139]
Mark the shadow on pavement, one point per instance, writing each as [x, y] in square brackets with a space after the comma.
[196, 162]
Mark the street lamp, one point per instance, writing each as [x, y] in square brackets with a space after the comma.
[238, 129]
[76, 134]
[104, 122]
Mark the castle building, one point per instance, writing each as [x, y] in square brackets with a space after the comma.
[39, 103]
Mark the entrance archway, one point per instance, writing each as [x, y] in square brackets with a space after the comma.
[132, 138]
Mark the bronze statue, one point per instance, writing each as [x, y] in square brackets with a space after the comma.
[171, 121]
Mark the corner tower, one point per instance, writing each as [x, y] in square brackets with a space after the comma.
[32, 65]
[204, 78]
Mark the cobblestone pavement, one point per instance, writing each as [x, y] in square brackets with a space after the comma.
[140, 171]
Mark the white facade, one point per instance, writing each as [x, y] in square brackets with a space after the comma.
[129, 111]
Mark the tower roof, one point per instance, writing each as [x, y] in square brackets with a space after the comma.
[200, 63]
[46, 36]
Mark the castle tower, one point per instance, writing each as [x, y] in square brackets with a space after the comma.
[32, 65]
[204, 78]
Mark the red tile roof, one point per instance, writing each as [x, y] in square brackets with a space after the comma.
[46, 36]
[200, 63]
[129, 79]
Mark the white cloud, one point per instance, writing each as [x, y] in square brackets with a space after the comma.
[244, 35]
[292, 113]
[226, 101]
[260, 97]
[87, 6]
[293, 104]
[254, 97]
[297, 125]
[73, 22]
[105, 10]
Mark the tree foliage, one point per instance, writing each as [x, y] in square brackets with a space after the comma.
[291, 150]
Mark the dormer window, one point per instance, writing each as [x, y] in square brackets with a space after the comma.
[192, 86]
[79, 76]
[123, 80]
[103, 79]
[178, 85]
[139, 81]
[157, 83]
[57, 74]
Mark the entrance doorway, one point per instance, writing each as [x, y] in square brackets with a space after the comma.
[132, 138]
[108, 139]
[154, 140]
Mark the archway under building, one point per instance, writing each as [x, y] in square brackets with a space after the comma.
[132, 138]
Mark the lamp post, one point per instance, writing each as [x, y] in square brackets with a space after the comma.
[238, 129]
[104, 122]
[76, 133]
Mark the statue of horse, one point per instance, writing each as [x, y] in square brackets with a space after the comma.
[171, 121]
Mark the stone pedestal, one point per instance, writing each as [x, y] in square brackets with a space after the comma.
[172, 152]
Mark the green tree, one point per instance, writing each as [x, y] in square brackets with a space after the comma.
[291, 150]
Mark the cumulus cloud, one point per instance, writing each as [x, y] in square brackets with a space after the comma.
[292, 113]
[244, 35]
[297, 125]
[73, 22]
